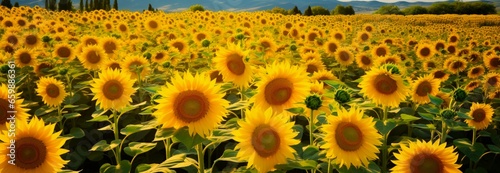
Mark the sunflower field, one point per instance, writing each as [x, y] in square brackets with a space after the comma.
[119, 91]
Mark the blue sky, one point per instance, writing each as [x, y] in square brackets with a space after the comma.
[403, 0]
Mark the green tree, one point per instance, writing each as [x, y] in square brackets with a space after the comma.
[349, 10]
[115, 5]
[6, 3]
[441, 8]
[482, 8]
[81, 6]
[279, 10]
[87, 5]
[308, 11]
[150, 8]
[16, 4]
[388, 9]
[47, 4]
[319, 10]
[196, 7]
[413, 10]
[53, 5]
[294, 11]
[339, 9]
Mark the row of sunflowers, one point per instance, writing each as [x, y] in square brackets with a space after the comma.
[120, 91]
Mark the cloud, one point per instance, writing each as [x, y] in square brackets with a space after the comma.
[34, 2]
[251, 9]
[165, 7]
[178, 9]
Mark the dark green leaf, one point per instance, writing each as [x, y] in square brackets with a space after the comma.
[426, 116]
[44, 110]
[136, 148]
[310, 153]
[408, 118]
[101, 118]
[435, 100]
[163, 134]
[132, 107]
[494, 149]
[72, 115]
[185, 138]
[101, 146]
[76, 132]
[385, 128]
[473, 152]
[296, 110]
[298, 164]
[134, 128]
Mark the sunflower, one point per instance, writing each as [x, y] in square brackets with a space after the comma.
[481, 116]
[364, 36]
[380, 50]
[492, 62]
[267, 45]
[179, 44]
[351, 139]
[110, 45]
[491, 79]
[344, 57]
[322, 75]
[383, 87]
[11, 38]
[423, 86]
[429, 65]
[132, 64]
[364, 61]
[453, 38]
[32, 41]
[232, 65]
[112, 64]
[37, 148]
[308, 56]
[368, 27]
[312, 35]
[51, 90]
[391, 59]
[338, 35]
[472, 85]
[215, 75]
[439, 45]
[456, 64]
[93, 57]
[5, 106]
[192, 101]
[475, 72]
[264, 139]
[421, 156]
[440, 74]
[88, 40]
[331, 46]
[7, 47]
[198, 37]
[42, 69]
[152, 24]
[425, 51]
[452, 49]
[64, 51]
[160, 57]
[25, 57]
[314, 66]
[282, 87]
[113, 89]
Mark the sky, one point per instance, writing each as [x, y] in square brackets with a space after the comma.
[391, 1]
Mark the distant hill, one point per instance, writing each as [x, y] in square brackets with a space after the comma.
[245, 5]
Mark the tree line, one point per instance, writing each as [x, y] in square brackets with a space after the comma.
[67, 5]
[315, 10]
[441, 8]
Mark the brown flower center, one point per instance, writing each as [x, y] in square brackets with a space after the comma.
[12, 40]
[93, 57]
[425, 51]
[339, 36]
[179, 46]
[235, 64]
[453, 39]
[385, 84]
[9, 49]
[110, 47]
[426, 163]
[215, 75]
[201, 36]
[278, 91]
[424, 88]
[479, 115]
[476, 70]
[265, 45]
[31, 40]
[63, 52]
[159, 56]
[439, 74]
[191, 106]
[8, 24]
[431, 65]
[90, 41]
[265, 140]
[312, 36]
[25, 58]
[153, 24]
[364, 37]
[113, 89]
[439, 46]
[365, 60]
[115, 66]
[493, 81]
[311, 68]
[30, 153]
[344, 56]
[52, 90]
[381, 51]
[123, 28]
[495, 62]
[452, 49]
[348, 136]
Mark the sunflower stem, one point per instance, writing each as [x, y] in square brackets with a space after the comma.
[474, 136]
[311, 122]
[444, 130]
[384, 143]
[329, 170]
[243, 98]
[201, 165]
[117, 136]
[167, 148]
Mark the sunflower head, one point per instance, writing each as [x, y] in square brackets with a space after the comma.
[421, 156]
[481, 115]
[51, 90]
[422, 87]
[351, 138]
[344, 56]
[113, 89]
[233, 66]
[264, 139]
[383, 87]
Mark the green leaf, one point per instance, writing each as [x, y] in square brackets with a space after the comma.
[124, 167]
[101, 146]
[385, 128]
[296, 110]
[81, 107]
[136, 148]
[72, 115]
[473, 152]
[185, 138]
[424, 126]
[426, 116]
[494, 149]
[298, 164]
[134, 128]
[44, 110]
[163, 134]
[69, 106]
[435, 100]
[238, 105]
[229, 156]
[334, 83]
[152, 89]
[175, 161]
[76, 132]
[131, 107]
[101, 118]
[310, 153]
[463, 115]
[408, 118]
[104, 167]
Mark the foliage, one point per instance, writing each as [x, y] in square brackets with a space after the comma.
[308, 11]
[295, 10]
[197, 7]
[343, 10]
[319, 10]
[6, 3]
[279, 10]
[414, 10]
[388, 9]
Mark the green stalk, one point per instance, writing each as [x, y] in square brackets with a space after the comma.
[117, 136]
[329, 166]
[311, 122]
[167, 148]
[474, 133]
[242, 99]
[384, 143]
[444, 133]
[201, 165]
